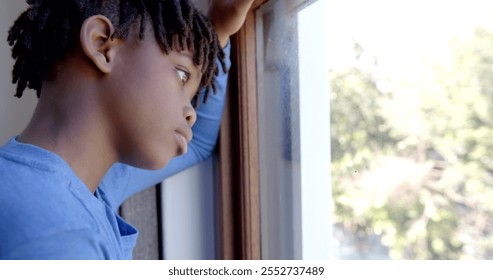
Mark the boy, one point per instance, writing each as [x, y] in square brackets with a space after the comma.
[116, 81]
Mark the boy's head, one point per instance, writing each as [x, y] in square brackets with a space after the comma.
[123, 71]
[48, 30]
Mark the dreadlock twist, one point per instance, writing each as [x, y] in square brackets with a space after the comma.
[44, 33]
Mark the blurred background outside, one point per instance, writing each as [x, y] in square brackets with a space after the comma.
[411, 102]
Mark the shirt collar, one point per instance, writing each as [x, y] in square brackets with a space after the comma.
[39, 158]
[35, 156]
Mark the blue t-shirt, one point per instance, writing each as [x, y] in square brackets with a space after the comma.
[47, 212]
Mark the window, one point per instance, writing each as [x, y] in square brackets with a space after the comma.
[282, 187]
[361, 131]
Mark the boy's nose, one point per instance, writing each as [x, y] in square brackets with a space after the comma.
[190, 115]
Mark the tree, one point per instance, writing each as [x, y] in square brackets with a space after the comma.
[413, 166]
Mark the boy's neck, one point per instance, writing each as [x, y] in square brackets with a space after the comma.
[68, 123]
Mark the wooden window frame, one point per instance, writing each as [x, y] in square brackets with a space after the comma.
[237, 198]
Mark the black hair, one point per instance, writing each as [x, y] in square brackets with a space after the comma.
[44, 33]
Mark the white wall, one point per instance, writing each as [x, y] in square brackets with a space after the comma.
[188, 214]
[14, 112]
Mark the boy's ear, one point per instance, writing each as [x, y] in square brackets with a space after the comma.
[96, 42]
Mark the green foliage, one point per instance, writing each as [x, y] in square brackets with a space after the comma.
[414, 165]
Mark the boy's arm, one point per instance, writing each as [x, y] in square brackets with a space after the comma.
[122, 181]
[228, 16]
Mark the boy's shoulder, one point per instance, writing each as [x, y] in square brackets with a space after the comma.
[36, 202]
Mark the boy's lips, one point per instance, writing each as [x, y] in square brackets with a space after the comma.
[183, 137]
[187, 134]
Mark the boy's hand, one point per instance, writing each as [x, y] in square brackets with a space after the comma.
[228, 16]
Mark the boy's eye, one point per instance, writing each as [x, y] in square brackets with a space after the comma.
[184, 75]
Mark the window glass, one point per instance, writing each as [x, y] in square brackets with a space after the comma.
[411, 128]
[375, 128]
[294, 155]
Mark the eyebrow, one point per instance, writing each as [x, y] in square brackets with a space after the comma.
[189, 56]
[186, 54]
[195, 70]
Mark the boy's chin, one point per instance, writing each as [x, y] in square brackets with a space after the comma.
[156, 165]
[151, 163]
